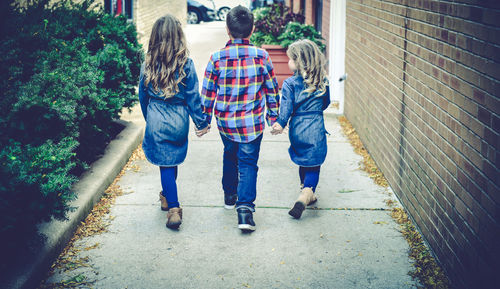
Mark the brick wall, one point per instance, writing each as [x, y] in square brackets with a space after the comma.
[147, 11]
[423, 93]
[310, 18]
[325, 24]
[309, 12]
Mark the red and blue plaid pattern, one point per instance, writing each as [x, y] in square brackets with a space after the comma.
[239, 80]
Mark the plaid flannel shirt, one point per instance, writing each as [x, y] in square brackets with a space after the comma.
[239, 80]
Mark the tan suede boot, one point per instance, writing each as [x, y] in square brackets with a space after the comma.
[174, 218]
[305, 198]
[312, 200]
[163, 202]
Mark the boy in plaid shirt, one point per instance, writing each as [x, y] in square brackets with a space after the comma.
[240, 81]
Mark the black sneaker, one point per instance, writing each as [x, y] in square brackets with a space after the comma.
[245, 220]
[230, 201]
[297, 210]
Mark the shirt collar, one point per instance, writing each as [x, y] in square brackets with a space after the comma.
[238, 41]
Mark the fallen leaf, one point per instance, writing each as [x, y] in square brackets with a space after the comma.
[92, 247]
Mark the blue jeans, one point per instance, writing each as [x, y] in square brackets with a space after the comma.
[239, 170]
[309, 177]
[168, 177]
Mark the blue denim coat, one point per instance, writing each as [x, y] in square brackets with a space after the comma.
[307, 131]
[165, 140]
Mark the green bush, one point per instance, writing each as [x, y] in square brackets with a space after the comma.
[66, 71]
[278, 25]
[296, 31]
[270, 22]
[35, 182]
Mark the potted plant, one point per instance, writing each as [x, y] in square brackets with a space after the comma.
[276, 27]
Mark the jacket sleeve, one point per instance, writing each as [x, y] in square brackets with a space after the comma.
[272, 93]
[143, 96]
[193, 98]
[209, 89]
[326, 98]
[286, 106]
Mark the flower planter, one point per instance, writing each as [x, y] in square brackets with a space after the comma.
[278, 56]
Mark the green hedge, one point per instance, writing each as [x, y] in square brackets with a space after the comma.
[66, 73]
[278, 25]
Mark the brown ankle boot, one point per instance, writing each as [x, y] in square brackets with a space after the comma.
[312, 200]
[174, 218]
[306, 198]
[163, 202]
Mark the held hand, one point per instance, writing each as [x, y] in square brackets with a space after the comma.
[201, 132]
[277, 129]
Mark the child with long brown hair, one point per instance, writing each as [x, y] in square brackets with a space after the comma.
[304, 97]
[168, 94]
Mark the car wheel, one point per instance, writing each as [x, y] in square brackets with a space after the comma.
[222, 14]
[193, 17]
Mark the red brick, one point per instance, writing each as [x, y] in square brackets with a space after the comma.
[478, 95]
[491, 137]
[495, 123]
[493, 191]
[484, 116]
[491, 17]
[492, 103]
[455, 83]
[476, 14]
[491, 172]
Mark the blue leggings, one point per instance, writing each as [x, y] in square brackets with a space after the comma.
[309, 176]
[168, 178]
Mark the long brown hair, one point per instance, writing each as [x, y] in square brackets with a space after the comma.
[310, 64]
[167, 53]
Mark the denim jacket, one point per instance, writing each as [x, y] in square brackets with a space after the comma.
[304, 112]
[167, 119]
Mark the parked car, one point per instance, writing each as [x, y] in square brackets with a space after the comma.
[200, 10]
[222, 7]
[254, 4]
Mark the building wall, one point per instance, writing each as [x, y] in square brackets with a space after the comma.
[423, 93]
[325, 25]
[309, 11]
[147, 11]
[296, 6]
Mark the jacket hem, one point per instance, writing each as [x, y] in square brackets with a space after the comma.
[169, 165]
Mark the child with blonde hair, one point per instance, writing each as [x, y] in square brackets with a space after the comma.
[168, 94]
[304, 97]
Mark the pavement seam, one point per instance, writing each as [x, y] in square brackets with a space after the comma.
[268, 207]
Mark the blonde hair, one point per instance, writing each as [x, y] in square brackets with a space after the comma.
[167, 53]
[310, 64]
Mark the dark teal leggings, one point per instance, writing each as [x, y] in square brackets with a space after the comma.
[309, 176]
[169, 186]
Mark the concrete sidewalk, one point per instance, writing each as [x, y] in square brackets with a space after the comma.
[348, 241]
